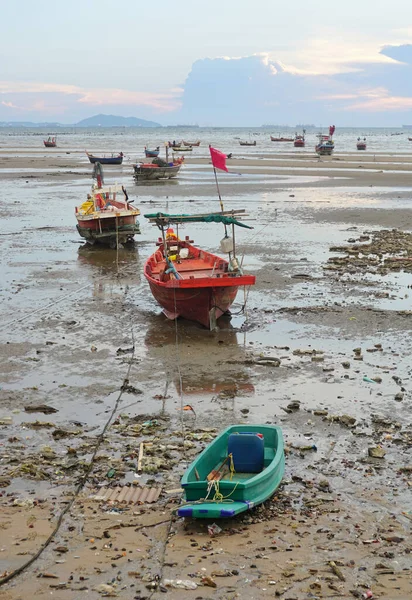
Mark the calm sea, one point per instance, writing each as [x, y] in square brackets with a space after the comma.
[131, 140]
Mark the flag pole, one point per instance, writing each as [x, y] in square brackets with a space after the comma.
[218, 191]
[220, 197]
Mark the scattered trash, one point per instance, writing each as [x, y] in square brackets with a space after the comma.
[61, 549]
[337, 571]
[128, 494]
[213, 529]
[120, 351]
[106, 590]
[130, 389]
[183, 584]
[304, 448]
[208, 581]
[41, 408]
[368, 379]
[376, 452]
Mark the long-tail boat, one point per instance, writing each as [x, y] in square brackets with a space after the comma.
[242, 467]
[157, 169]
[181, 148]
[151, 153]
[281, 139]
[245, 143]
[361, 144]
[193, 283]
[326, 145]
[113, 159]
[299, 141]
[191, 143]
[106, 217]
[51, 142]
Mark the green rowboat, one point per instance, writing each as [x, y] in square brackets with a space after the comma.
[241, 468]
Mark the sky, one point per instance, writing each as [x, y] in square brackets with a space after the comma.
[213, 62]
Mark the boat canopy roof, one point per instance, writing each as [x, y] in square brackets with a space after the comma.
[227, 218]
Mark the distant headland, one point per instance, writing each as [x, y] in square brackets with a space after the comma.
[96, 121]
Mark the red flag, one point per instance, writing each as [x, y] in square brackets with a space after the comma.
[218, 159]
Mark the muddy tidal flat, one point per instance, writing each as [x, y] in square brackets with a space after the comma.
[91, 369]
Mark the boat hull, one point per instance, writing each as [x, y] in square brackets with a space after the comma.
[361, 146]
[152, 154]
[243, 491]
[108, 231]
[324, 150]
[152, 173]
[115, 160]
[299, 143]
[201, 305]
[50, 144]
[199, 288]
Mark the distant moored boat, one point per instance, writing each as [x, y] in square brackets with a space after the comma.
[50, 142]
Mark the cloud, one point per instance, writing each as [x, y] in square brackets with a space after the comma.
[9, 104]
[253, 90]
[401, 53]
[362, 85]
[51, 99]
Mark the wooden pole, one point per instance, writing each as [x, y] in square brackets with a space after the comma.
[220, 197]
[139, 460]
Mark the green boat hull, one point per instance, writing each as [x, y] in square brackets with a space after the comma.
[237, 492]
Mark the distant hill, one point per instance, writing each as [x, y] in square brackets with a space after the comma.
[96, 121]
[28, 124]
[113, 121]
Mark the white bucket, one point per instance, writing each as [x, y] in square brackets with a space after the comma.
[226, 244]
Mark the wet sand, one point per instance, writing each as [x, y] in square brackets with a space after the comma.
[77, 322]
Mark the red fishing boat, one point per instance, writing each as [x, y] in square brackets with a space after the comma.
[107, 217]
[299, 141]
[50, 142]
[361, 144]
[193, 283]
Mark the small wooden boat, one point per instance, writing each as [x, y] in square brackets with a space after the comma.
[191, 143]
[151, 153]
[361, 144]
[106, 217]
[181, 148]
[193, 283]
[113, 159]
[410, 139]
[248, 143]
[241, 468]
[50, 142]
[299, 141]
[281, 139]
[157, 169]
